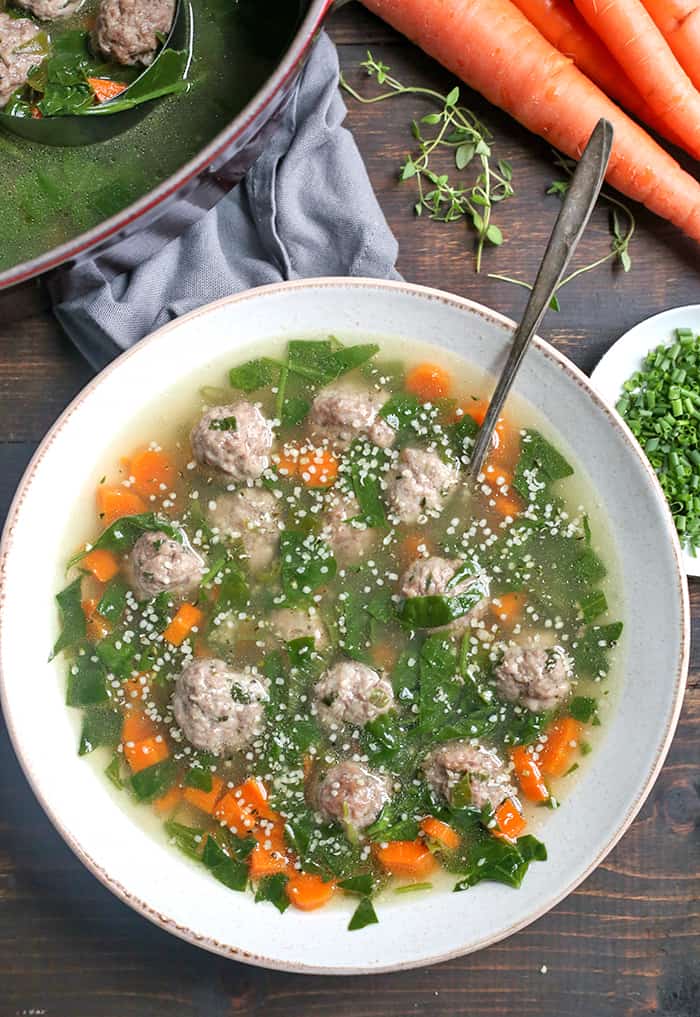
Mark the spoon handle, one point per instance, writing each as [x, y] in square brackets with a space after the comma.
[574, 215]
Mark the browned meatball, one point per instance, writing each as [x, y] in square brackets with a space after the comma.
[487, 777]
[342, 413]
[50, 10]
[235, 439]
[349, 539]
[420, 485]
[126, 31]
[251, 515]
[17, 56]
[430, 577]
[352, 693]
[218, 709]
[353, 795]
[159, 564]
[537, 678]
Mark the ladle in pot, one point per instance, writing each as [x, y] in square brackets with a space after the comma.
[97, 123]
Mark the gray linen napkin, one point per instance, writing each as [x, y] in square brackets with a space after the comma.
[305, 209]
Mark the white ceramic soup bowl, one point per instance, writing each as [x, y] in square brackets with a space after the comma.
[131, 857]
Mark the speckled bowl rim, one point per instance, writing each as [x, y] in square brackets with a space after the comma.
[681, 670]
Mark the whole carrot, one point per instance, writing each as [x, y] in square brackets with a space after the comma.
[492, 46]
[629, 32]
[561, 24]
[679, 22]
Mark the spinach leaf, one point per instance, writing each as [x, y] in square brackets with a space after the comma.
[538, 467]
[234, 593]
[363, 916]
[113, 772]
[590, 652]
[440, 683]
[307, 563]
[494, 859]
[364, 465]
[100, 727]
[584, 709]
[254, 375]
[199, 777]
[118, 656]
[87, 682]
[65, 71]
[593, 605]
[322, 361]
[165, 76]
[401, 412]
[294, 411]
[154, 781]
[73, 625]
[188, 839]
[437, 610]
[113, 602]
[273, 889]
[123, 534]
[363, 884]
[588, 568]
[229, 871]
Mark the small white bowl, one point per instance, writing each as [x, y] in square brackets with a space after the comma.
[625, 357]
[179, 895]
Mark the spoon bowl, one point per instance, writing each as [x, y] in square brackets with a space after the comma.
[99, 124]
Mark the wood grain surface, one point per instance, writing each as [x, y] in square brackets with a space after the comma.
[627, 942]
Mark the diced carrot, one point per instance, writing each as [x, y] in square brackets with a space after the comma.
[168, 802]
[383, 656]
[188, 617]
[562, 738]
[508, 505]
[102, 564]
[36, 113]
[147, 752]
[410, 858]
[205, 801]
[137, 726]
[135, 689]
[508, 608]
[97, 626]
[116, 502]
[309, 892]
[244, 806]
[152, 472]
[441, 833]
[510, 821]
[104, 89]
[318, 468]
[529, 775]
[413, 546]
[428, 382]
[270, 835]
[476, 409]
[262, 862]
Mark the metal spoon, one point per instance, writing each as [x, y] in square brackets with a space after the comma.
[76, 130]
[574, 215]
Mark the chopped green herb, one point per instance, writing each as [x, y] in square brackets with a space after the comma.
[223, 424]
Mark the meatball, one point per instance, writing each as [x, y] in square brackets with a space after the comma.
[159, 564]
[17, 57]
[218, 709]
[429, 577]
[489, 782]
[50, 10]
[352, 693]
[349, 539]
[342, 414]
[252, 516]
[126, 31]
[537, 678]
[352, 794]
[420, 485]
[290, 623]
[235, 439]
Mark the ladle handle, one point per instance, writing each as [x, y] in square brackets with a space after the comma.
[576, 210]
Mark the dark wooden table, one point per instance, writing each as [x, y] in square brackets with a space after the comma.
[627, 942]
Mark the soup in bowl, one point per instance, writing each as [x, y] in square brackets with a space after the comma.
[304, 655]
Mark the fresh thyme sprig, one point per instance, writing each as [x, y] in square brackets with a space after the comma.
[458, 129]
[622, 228]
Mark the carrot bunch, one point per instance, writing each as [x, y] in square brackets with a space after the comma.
[557, 66]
